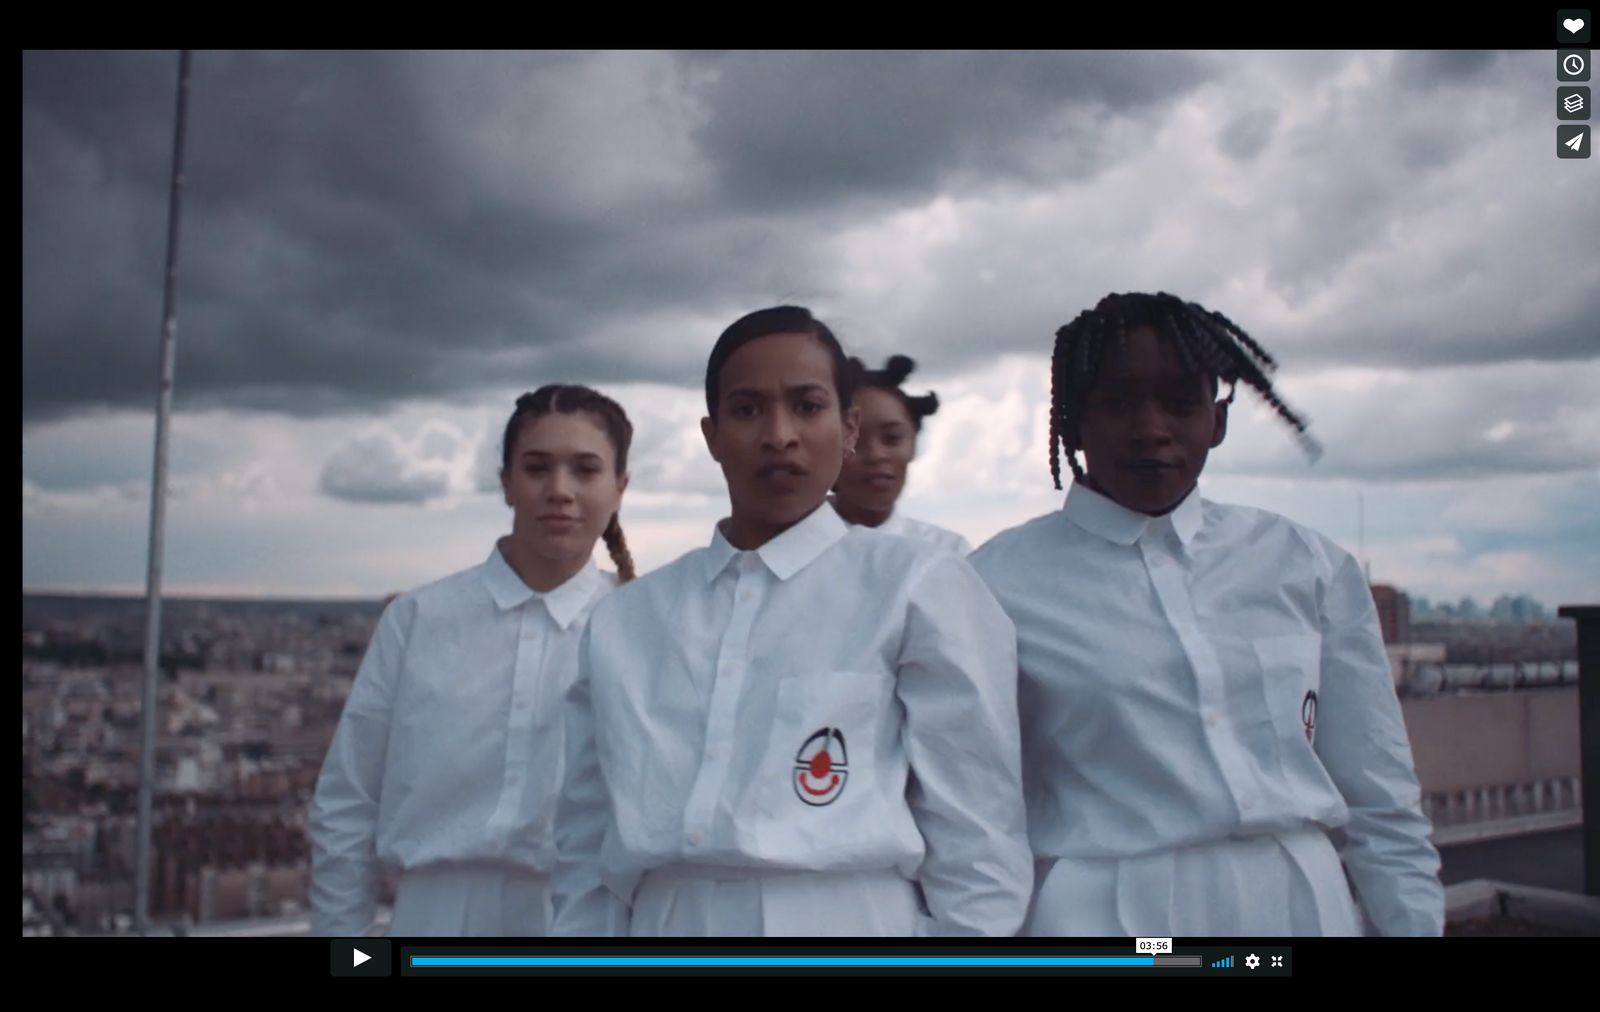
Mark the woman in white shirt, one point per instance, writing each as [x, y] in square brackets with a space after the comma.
[872, 479]
[783, 732]
[446, 764]
[1207, 702]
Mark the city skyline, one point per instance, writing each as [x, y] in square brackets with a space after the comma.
[253, 693]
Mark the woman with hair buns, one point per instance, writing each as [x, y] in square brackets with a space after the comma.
[447, 761]
[874, 476]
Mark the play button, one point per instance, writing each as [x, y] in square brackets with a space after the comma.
[361, 957]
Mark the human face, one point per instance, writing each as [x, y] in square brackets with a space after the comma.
[871, 481]
[779, 434]
[1148, 425]
[562, 487]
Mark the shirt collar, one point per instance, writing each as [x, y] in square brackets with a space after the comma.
[565, 603]
[789, 552]
[894, 523]
[1116, 523]
[1186, 519]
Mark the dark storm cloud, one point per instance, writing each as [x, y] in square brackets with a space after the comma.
[1382, 233]
[1429, 68]
[338, 249]
[804, 128]
[1248, 133]
[361, 227]
[366, 228]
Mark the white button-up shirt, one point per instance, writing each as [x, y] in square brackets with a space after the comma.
[1214, 672]
[835, 700]
[450, 746]
[907, 527]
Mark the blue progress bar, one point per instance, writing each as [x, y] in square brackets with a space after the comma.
[759, 961]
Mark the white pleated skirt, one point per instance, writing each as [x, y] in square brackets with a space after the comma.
[471, 900]
[705, 901]
[1286, 885]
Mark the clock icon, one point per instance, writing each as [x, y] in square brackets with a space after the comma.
[1573, 64]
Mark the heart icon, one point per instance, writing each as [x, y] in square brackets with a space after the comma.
[1573, 25]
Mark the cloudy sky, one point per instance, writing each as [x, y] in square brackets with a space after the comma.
[380, 251]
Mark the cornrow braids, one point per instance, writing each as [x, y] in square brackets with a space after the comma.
[571, 399]
[890, 378]
[1077, 360]
[1206, 342]
[1257, 364]
[1055, 429]
[1212, 359]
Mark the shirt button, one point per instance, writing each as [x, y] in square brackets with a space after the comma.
[695, 839]
[713, 753]
[1211, 716]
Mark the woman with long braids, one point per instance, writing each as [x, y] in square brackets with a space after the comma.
[1207, 704]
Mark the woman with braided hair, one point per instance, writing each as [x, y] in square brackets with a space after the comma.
[1206, 699]
[448, 758]
[875, 474]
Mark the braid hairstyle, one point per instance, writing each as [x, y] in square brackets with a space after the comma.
[1206, 342]
[572, 399]
[894, 373]
[617, 546]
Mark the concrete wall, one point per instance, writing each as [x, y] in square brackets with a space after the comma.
[1466, 741]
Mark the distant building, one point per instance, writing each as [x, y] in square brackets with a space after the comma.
[1406, 658]
[1516, 609]
[1394, 613]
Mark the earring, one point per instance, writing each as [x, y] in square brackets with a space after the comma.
[849, 452]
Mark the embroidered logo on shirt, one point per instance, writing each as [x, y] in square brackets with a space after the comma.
[820, 768]
[1308, 713]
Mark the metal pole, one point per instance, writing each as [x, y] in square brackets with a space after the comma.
[158, 511]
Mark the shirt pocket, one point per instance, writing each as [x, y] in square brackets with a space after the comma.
[819, 798]
[1291, 674]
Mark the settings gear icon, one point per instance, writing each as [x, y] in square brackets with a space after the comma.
[1252, 961]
